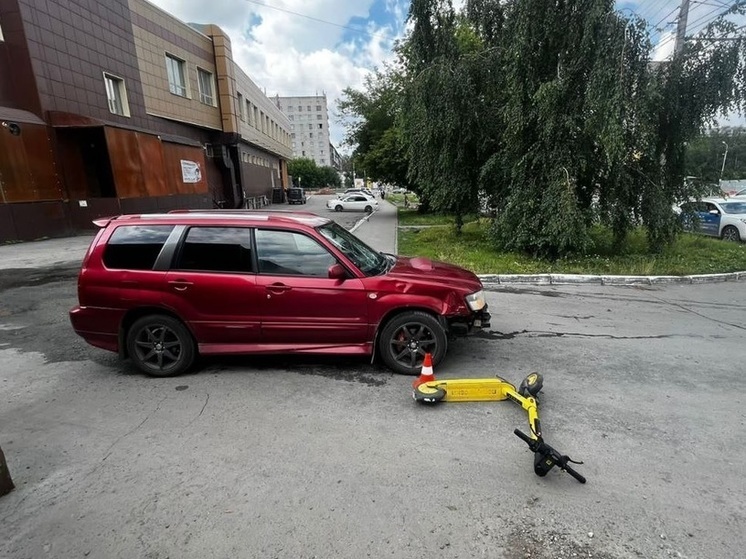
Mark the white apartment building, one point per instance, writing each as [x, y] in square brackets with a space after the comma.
[309, 126]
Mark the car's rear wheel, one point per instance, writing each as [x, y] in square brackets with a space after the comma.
[368, 209]
[337, 208]
[407, 337]
[730, 233]
[160, 345]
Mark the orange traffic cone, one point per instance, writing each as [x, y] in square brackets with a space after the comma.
[426, 375]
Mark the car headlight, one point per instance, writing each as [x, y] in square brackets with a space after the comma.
[476, 301]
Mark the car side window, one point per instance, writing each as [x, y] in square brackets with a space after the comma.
[709, 207]
[216, 249]
[135, 247]
[285, 253]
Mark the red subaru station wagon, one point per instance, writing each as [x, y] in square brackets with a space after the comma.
[163, 289]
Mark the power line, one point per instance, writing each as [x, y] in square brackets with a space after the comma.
[665, 17]
[317, 20]
[703, 20]
[654, 10]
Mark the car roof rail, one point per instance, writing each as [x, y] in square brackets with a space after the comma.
[230, 211]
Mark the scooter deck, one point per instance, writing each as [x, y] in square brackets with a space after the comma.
[470, 389]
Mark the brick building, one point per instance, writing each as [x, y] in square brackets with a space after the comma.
[119, 107]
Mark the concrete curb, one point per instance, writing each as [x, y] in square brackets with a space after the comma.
[363, 220]
[573, 279]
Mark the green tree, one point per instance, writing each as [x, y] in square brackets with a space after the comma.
[329, 177]
[444, 112]
[306, 172]
[705, 155]
[558, 107]
[373, 128]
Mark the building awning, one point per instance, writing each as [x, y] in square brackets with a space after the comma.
[8, 114]
[68, 120]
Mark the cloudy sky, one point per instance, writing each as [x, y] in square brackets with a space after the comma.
[302, 47]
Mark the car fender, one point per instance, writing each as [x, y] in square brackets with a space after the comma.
[398, 310]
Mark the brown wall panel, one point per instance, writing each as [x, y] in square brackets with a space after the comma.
[7, 227]
[139, 205]
[153, 170]
[44, 179]
[124, 153]
[17, 83]
[82, 217]
[27, 168]
[173, 154]
[35, 220]
[15, 175]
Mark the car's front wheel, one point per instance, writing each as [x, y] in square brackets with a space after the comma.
[160, 345]
[407, 337]
[368, 209]
[730, 233]
[338, 208]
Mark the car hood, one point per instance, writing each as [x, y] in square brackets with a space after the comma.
[424, 269]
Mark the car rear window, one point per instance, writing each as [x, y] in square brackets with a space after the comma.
[135, 247]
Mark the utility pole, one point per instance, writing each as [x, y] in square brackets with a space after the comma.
[725, 156]
[681, 27]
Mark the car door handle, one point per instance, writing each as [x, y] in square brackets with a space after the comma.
[180, 285]
[278, 288]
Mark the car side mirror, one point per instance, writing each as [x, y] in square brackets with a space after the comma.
[337, 272]
[714, 212]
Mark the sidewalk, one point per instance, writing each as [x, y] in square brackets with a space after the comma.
[47, 253]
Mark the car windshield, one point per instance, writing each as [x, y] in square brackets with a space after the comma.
[734, 207]
[370, 262]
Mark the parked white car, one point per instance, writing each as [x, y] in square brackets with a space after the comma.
[353, 202]
[362, 191]
[718, 217]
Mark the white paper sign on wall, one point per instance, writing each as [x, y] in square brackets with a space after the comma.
[190, 171]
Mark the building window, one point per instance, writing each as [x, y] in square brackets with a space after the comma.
[290, 108]
[240, 107]
[310, 134]
[318, 108]
[291, 117]
[323, 161]
[206, 89]
[116, 95]
[256, 117]
[321, 126]
[176, 70]
[308, 108]
[318, 117]
[248, 111]
[1, 34]
[300, 108]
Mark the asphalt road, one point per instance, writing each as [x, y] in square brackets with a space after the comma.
[310, 457]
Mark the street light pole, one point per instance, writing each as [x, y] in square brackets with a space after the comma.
[725, 156]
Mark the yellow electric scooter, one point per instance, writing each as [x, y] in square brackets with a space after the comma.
[495, 390]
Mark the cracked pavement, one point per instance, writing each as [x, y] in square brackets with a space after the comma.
[329, 457]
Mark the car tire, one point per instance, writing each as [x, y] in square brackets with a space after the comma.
[405, 329]
[730, 233]
[160, 345]
[337, 208]
[369, 209]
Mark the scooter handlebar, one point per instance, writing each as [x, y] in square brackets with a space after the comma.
[543, 451]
